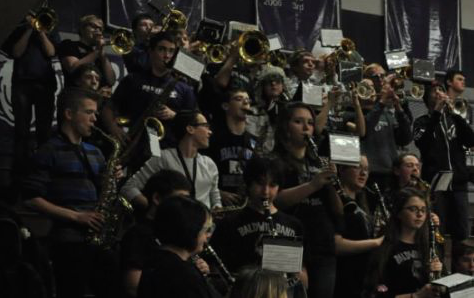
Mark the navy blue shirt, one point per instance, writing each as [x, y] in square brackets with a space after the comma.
[33, 65]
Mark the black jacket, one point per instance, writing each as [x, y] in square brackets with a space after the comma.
[442, 139]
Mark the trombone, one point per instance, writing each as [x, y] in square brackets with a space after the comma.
[174, 20]
[44, 20]
[254, 47]
[122, 41]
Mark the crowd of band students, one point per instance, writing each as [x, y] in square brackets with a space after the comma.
[239, 137]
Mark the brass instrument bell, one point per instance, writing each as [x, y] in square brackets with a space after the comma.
[277, 58]
[122, 41]
[253, 47]
[175, 20]
[45, 20]
[364, 90]
[157, 125]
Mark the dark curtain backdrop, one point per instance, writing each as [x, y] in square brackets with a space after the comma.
[298, 22]
[426, 29]
[367, 31]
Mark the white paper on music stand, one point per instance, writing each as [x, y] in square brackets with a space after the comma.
[275, 42]
[331, 37]
[189, 66]
[312, 94]
[344, 149]
[283, 258]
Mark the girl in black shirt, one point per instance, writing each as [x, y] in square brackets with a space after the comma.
[402, 264]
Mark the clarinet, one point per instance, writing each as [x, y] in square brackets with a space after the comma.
[433, 254]
[348, 203]
[269, 218]
[229, 279]
[385, 213]
[381, 213]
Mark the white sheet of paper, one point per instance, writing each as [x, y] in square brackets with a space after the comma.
[312, 94]
[466, 293]
[344, 149]
[189, 66]
[282, 258]
[331, 37]
[275, 42]
[453, 280]
[154, 142]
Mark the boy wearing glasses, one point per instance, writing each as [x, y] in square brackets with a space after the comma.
[231, 146]
[193, 132]
[89, 49]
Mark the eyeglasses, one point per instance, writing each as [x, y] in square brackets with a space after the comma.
[415, 209]
[209, 229]
[204, 124]
[95, 27]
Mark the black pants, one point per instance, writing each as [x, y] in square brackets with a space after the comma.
[25, 95]
[78, 267]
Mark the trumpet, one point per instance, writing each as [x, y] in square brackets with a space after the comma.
[364, 90]
[44, 20]
[416, 91]
[215, 53]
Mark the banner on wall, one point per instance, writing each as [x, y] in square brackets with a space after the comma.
[120, 13]
[426, 29]
[298, 22]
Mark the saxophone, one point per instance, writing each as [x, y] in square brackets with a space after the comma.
[110, 205]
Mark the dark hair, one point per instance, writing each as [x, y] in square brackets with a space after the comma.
[72, 98]
[377, 268]
[138, 18]
[164, 183]
[428, 89]
[296, 57]
[79, 71]
[259, 283]
[450, 74]
[182, 120]
[178, 222]
[397, 161]
[258, 168]
[281, 128]
[229, 92]
[162, 35]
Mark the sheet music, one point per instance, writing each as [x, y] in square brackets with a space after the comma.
[283, 258]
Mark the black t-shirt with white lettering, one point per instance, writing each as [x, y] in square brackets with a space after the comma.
[236, 237]
[314, 211]
[405, 271]
[230, 152]
[137, 91]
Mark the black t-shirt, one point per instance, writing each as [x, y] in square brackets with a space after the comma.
[314, 211]
[236, 237]
[351, 269]
[138, 246]
[405, 271]
[137, 91]
[33, 65]
[172, 277]
[79, 50]
[230, 152]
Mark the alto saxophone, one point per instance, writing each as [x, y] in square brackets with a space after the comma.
[111, 204]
